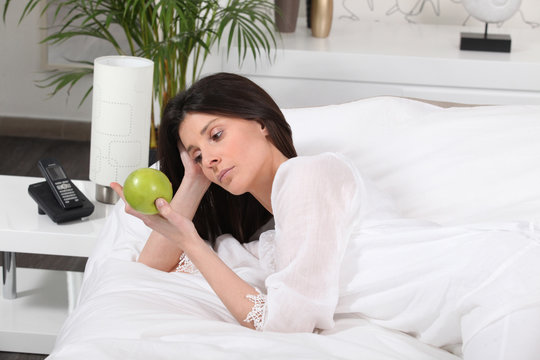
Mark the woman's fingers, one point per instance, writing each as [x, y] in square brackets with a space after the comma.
[184, 156]
[118, 189]
[186, 160]
[156, 222]
[167, 212]
[175, 222]
[168, 222]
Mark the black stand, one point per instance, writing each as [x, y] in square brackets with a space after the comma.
[485, 42]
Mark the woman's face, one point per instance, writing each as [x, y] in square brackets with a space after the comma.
[232, 152]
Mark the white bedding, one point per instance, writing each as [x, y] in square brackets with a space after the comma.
[130, 311]
[433, 170]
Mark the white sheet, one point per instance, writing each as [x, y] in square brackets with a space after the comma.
[130, 311]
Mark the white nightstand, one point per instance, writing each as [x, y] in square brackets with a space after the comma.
[31, 321]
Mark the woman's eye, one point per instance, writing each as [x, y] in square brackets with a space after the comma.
[198, 158]
[215, 136]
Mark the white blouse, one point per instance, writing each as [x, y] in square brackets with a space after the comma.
[340, 247]
[314, 201]
[317, 202]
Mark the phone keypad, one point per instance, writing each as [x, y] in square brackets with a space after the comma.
[66, 192]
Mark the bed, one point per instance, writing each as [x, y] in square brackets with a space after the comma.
[455, 165]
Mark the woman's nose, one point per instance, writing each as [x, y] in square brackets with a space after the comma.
[212, 160]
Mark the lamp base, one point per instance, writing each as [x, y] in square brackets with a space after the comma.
[485, 42]
[106, 194]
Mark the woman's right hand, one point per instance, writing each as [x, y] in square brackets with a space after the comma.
[192, 171]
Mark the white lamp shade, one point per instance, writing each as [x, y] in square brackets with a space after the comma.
[121, 107]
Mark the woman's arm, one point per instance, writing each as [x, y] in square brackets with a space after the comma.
[229, 287]
[161, 253]
[181, 233]
[316, 202]
[175, 233]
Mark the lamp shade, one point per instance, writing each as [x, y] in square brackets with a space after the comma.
[121, 107]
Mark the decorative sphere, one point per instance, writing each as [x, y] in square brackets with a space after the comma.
[143, 186]
[492, 11]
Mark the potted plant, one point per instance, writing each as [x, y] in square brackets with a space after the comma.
[177, 35]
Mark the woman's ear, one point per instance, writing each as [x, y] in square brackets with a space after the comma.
[264, 130]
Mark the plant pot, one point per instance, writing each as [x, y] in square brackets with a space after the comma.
[322, 12]
[286, 15]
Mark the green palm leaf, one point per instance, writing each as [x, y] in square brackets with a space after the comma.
[173, 33]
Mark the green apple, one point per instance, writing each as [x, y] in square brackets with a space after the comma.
[143, 186]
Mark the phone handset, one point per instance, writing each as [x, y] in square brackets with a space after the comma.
[60, 184]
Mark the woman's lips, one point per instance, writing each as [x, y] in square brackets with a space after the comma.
[223, 173]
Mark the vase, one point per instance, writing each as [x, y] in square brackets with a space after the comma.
[322, 12]
[286, 15]
[492, 11]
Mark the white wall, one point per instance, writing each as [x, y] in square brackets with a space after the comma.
[21, 64]
[22, 58]
[447, 12]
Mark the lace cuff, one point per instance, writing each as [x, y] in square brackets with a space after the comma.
[185, 265]
[257, 313]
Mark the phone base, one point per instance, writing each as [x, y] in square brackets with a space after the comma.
[47, 204]
[106, 194]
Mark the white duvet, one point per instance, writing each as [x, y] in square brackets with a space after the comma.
[129, 311]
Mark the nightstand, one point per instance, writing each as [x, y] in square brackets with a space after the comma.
[31, 319]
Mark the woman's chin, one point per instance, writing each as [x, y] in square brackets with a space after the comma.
[235, 190]
[231, 189]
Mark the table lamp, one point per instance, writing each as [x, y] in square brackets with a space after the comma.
[121, 106]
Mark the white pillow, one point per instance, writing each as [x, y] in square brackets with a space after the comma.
[454, 166]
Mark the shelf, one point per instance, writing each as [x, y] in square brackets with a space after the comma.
[362, 59]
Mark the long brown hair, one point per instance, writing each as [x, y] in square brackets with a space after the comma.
[230, 95]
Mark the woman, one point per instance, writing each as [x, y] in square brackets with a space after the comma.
[228, 151]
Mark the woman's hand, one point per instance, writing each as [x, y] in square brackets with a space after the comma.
[168, 222]
[192, 171]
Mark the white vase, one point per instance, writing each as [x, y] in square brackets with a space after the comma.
[491, 11]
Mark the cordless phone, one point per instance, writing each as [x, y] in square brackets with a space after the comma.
[58, 197]
[61, 186]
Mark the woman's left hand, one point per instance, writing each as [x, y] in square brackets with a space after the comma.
[168, 222]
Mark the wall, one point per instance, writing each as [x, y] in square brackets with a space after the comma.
[21, 65]
[447, 12]
[22, 58]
